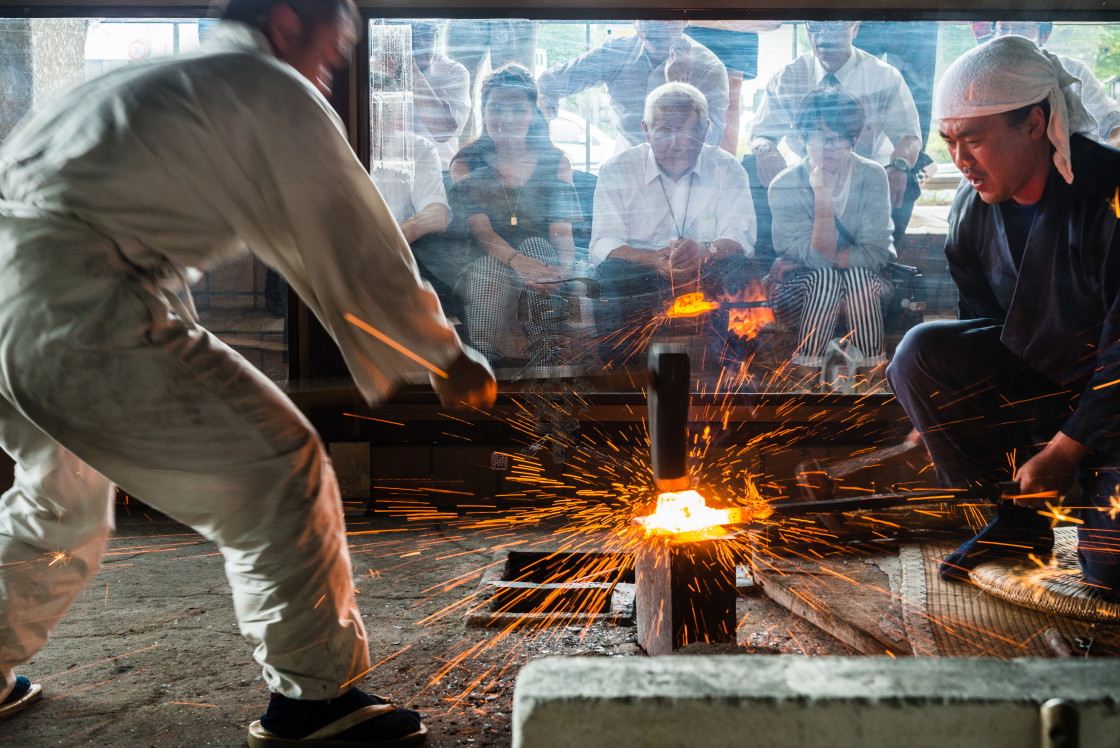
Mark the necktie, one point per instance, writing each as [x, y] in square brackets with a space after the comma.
[830, 81]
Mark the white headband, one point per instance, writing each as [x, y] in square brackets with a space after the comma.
[1009, 73]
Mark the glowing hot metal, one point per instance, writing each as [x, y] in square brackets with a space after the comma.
[691, 305]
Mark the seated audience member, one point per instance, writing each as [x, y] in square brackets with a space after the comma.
[891, 134]
[441, 93]
[832, 234]
[513, 190]
[631, 67]
[1096, 100]
[418, 202]
[671, 215]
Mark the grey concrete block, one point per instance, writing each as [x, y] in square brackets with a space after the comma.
[807, 701]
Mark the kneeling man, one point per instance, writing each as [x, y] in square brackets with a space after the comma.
[1029, 373]
[671, 215]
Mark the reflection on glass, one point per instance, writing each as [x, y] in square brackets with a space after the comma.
[593, 82]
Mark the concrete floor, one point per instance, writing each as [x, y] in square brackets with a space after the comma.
[150, 654]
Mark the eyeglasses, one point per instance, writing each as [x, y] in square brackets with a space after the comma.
[666, 133]
[836, 143]
[825, 27]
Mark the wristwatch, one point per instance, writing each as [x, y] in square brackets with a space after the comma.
[900, 164]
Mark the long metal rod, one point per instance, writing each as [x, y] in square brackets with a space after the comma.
[994, 494]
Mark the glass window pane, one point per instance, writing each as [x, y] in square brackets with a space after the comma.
[550, 178]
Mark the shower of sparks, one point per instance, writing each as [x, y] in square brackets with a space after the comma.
[1113, 506]
[1060, 513]
[571, 523]
[685, 511]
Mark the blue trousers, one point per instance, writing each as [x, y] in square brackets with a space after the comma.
[975, 403]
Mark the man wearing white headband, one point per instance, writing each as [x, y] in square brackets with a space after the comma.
[1032, 367]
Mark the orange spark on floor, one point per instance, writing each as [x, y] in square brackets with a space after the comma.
[691, 305]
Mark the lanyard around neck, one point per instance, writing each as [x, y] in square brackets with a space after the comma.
[687, 199]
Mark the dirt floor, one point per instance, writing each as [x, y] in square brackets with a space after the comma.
[150, 654]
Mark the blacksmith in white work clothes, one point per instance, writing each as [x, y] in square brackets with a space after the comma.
[107, 197]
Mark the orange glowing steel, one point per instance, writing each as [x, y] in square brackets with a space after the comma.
[746, 323]
[691, 305]
[683, 511]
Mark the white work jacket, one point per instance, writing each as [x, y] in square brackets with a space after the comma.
[182, 162]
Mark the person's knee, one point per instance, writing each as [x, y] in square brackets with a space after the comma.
[920, 350]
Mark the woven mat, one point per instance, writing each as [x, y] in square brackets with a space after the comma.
[1056, 588]
[946, 619]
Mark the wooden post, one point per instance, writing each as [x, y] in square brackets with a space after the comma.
[684, 593]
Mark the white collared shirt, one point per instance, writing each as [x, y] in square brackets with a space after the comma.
[888, 106]
[452, 85]
[408, 194]
[636, 204]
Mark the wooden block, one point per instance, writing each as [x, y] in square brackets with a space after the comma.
[400, 472]
[684, 593]
[462, 474]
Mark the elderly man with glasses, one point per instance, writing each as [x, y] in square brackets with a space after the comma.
[672, 215]
[891, 135]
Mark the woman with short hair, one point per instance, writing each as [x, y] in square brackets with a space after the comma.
[832, 234]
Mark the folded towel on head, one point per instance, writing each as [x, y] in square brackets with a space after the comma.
[1009, 73]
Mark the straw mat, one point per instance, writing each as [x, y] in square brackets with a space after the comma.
[947, 619]
[1057, 587]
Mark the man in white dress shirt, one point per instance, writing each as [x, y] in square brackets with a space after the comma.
[891, 135]
[672, 215]
[631, 68]
[441, 91]
[418, 202]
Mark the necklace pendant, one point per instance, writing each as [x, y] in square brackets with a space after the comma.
[513, 220]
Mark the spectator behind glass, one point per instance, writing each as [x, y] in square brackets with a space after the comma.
[1096, 100]
[631, 67]
[832, 233]
[418, 202]
[512, 188]
[415, 195]
[470, 41]
[441, 91]
[672, 216]
[891, 135]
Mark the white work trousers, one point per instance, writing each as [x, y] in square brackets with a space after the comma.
[99, 377]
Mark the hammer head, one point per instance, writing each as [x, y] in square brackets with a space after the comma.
[667, 396]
